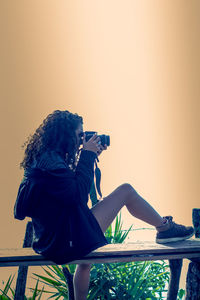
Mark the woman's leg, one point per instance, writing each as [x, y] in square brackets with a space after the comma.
[81, 281]
[105, 212]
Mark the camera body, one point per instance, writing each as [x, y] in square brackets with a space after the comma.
[105, 139]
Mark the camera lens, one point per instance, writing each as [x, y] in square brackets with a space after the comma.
[105, 139]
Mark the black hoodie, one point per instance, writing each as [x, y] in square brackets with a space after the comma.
[56, 198]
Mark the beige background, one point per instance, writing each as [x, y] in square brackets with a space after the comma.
[131, 69]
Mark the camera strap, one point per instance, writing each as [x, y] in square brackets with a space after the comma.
[98, 179]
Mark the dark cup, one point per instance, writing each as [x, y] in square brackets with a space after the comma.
[196, 221]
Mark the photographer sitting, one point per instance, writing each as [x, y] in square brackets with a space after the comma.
[58, 174]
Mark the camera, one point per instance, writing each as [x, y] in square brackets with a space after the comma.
[105, 139]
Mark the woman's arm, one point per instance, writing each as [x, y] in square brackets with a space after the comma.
[84, 173]
[85, 167]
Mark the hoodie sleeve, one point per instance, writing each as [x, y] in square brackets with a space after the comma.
[84, 173]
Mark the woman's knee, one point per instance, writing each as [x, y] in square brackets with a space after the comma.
[84, 267]
[127, 189]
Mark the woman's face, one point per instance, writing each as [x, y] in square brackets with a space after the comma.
[79, 135]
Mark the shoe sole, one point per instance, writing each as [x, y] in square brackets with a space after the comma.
[175, 239]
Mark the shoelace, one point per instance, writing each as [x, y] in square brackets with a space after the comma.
[170, 220]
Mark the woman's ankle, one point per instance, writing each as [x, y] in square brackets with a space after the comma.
[164, 226]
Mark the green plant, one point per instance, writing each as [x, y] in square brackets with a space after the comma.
[132, 280]
[117, 235]
[37, 294]
[7, 288]
[56, 279]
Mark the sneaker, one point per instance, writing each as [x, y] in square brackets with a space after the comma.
[174, 233]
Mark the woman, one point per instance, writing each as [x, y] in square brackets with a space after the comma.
[54, 193]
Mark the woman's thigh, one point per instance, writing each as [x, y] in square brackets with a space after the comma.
[107, 209]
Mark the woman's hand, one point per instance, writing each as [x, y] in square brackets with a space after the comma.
[93, 144]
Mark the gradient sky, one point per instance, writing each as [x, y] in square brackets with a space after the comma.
[131, 69]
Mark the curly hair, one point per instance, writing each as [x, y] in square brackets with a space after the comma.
[57, 132]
